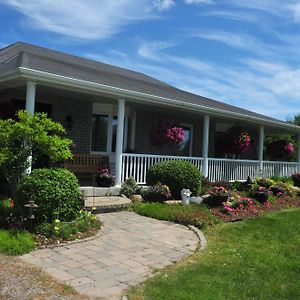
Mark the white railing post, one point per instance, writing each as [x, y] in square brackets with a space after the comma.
[119, 142]
[261, 149]
[30, 103]
[298, 152]
[205, 144]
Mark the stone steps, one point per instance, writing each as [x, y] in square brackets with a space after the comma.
[107, 204]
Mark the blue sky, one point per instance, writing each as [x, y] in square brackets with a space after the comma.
[245, 53]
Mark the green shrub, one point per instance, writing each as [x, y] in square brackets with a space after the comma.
[7, 208]
[129, 187]
[177, 175]
[16, 242]
[55, 191]
[296, 179]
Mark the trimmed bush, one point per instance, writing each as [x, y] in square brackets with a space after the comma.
[177, 175]
[55, 191]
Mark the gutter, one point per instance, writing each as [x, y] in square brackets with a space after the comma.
[41, 76]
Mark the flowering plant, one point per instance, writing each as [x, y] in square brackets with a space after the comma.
[157, 193]
[237, 205]
[218, 194]
[104, 178]
[104, 172]
[218, 191]
[239, 140]
[280, 149]
[260, 193]
[167, 133]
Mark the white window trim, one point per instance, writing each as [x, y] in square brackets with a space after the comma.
[191, 126]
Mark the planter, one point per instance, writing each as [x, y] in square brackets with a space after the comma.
[215, 201]
[105, 181]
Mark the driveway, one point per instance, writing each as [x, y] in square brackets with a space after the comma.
[130, 248]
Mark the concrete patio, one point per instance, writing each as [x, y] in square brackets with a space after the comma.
[130, 248]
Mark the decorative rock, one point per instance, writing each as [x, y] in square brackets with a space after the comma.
[136, 198]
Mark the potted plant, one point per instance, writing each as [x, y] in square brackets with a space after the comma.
[104, 177]
[218, 195]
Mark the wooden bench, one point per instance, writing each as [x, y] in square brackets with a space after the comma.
[85, 164]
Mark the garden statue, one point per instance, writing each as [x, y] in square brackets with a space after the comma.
[186, 198]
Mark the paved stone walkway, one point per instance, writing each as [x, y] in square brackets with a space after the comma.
[128, 251]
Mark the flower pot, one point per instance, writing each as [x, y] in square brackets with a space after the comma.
[105, 181]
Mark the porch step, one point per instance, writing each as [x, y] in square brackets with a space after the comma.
[107, 204]
[89, 191]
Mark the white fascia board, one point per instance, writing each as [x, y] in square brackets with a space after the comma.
[41, 76]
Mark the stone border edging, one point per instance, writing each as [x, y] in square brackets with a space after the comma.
[203, 241]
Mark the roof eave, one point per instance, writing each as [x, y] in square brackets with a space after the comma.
[41, 76]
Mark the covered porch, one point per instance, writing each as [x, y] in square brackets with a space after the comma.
[91, 120]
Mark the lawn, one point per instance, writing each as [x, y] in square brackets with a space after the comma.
[254, 259]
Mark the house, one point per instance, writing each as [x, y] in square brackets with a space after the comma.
[89, 98]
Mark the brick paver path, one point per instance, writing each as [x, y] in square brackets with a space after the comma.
[128, 251]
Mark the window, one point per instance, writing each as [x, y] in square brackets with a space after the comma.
[99, 133]
[186, 147]
[104, 133]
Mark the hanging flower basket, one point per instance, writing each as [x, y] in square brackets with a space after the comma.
[280, 150]
[167, 133]
[238, 141]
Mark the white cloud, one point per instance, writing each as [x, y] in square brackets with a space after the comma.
[87, 19]
[199, 1]
[162, 5]
[260, 85]
[237, 15]
[231, 39]
[150, 50]
[296, 11]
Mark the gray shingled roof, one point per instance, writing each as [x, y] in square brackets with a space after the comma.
[34, 57]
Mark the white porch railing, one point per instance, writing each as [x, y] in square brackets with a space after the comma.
[279, 168]
[136, 165]
[219, 169]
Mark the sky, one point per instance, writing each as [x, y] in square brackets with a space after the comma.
[244, 53]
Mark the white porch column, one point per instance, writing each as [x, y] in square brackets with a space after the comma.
[298, 151]
[205, 143]
[119, 142]
[30, 97]
[261, 149]
[30, 103]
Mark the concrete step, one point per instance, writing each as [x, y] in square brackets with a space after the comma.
[107, 204]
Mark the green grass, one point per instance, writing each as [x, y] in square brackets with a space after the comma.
[16, 242]
[197, 215]
[254, 259]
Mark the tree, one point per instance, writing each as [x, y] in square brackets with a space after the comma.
[26, 135]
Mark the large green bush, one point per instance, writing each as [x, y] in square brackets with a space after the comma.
[176, 175]
[55, 191]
